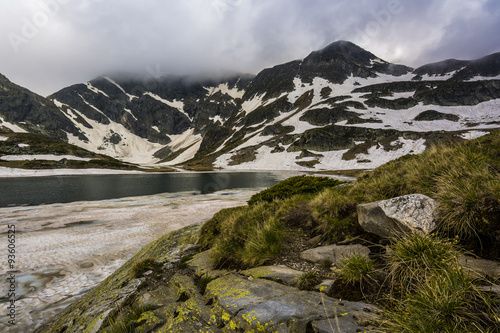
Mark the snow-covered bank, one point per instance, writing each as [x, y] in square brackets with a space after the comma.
[14, 172]
[64, 249]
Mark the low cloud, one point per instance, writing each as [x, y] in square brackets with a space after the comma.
[49, 44]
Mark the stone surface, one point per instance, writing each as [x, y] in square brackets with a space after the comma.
[409, 213]
[202, 265]
[334, 253]
[247, 302]
[481, 267]
[275, 273]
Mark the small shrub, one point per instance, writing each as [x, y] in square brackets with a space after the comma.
[357, 269]
[293, 186]
[308, 280]
[414, 257]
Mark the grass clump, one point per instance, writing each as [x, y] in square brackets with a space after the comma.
[142, 266]
[445, 302]
[308, 280]
[248, 237]
[357, 270]
[127, 319]
[334, 215]
[293, 186]
[413, 258]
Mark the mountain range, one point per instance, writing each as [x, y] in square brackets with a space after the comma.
[339, 108]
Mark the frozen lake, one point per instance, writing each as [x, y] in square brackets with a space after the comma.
[63, 249]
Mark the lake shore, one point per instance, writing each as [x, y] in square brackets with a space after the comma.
[63, 250]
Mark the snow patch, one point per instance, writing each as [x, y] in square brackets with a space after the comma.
[473, 135]
[13, 172]
[12, 127]
[3, 138]
[132, 148]
[185, 140]
[253, 104]
[47, 157]
[23, 145]
[179, 105]
[331, 160]
[95, 90]
[130, 112]
[156, 128]
[217, 118]
[224, 89]
[130, 97]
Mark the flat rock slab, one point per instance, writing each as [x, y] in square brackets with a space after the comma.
[281, 274]
[259, 304]
[408, 213]
[334, 253]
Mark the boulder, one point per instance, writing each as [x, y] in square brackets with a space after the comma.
[408, 213]
[334, 253]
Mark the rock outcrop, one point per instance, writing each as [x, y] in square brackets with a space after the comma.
[409, 213]
[200, 299]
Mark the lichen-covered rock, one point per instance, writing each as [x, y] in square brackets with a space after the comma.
[408, 213]
[334, 253]
[262, 305]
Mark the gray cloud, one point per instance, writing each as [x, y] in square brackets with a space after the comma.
[48, 44]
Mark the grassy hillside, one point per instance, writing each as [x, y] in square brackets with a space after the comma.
[417, 279]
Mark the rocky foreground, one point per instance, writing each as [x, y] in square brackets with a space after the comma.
[170, 286]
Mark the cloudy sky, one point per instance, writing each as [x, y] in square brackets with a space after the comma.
[46, 45]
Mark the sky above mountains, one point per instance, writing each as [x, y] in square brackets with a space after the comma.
[49, 44]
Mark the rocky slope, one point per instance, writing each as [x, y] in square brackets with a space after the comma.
[339, 108]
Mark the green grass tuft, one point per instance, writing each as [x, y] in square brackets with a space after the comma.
[413, 258]
[357, 270]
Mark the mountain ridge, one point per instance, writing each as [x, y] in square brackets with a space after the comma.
[340, 107]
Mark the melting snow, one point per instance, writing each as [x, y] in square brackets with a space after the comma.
[130, 112]
[42, 157]
[179, 105]
[54, 239]
[12, 127]
[3, 138]
[95, 90]
[130, 97]
[473, 135]
[224, 89]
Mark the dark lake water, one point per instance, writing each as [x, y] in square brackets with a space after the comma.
[63, 189]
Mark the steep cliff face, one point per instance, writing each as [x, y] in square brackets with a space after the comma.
[338, 108]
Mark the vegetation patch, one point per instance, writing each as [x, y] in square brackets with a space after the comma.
[293, 186]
